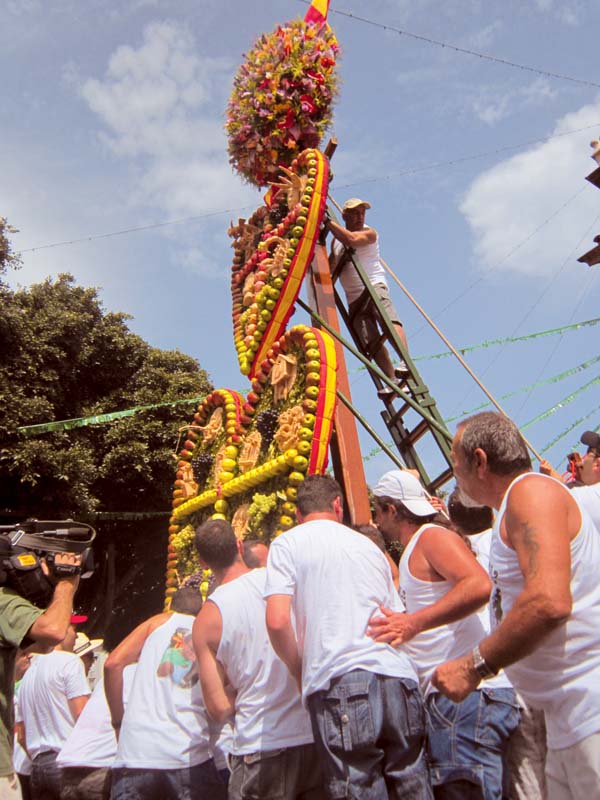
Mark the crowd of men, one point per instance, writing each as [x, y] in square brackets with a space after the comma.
[470, 671]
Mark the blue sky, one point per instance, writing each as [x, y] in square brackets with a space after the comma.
[112, 119]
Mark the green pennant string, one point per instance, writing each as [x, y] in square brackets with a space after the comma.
[98, 419]
[507, 340]
[562, 435]
[512, 339]
[568, 399]
[553, 379]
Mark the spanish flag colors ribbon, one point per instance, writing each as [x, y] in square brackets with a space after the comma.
[317, 12]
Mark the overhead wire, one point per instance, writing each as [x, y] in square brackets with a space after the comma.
[380, 179]
[546, 288]
[458, 49]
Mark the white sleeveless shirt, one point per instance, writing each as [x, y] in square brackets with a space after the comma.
[165, 725]
[431, 648]
[368, 255]
[268, 708]
[562, 676]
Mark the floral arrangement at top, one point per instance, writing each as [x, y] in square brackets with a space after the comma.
[282, 99]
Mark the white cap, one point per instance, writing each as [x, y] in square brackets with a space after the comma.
[399, 484]
[355, 202]
[83, 644]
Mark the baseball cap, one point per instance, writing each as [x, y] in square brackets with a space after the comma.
[401, 485]
[355, 202]
[83, 644]
[591, 439]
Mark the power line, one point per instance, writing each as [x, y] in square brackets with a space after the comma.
[93, 237]
[462, 159]
[464, 50]
[411, 171]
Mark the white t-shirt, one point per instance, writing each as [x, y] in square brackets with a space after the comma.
[338, 578]
[368, 255]
[562, 675]
[165, 725]
[268, 709]
[47, 686]
[437, 645]
[588, 497]
[21, 761]
[92, 742]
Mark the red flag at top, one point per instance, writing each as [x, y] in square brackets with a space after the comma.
[317, 13]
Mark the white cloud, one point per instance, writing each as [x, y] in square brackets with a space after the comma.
[161, 106]
[492, 107]
[506, 204]
[568, 13]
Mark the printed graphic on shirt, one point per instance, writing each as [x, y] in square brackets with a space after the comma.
[496, 598]
[179, 660]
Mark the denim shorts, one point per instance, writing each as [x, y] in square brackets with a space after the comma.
[370, 734]
[468, 743]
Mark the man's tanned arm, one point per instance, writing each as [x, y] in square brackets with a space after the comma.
[282, 635]
[450, 558]
[352, 238]
[219, 697]
[539, 522]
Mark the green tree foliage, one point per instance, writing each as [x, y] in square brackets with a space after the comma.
[64, 356]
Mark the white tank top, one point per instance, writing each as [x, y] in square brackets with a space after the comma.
[368, 255]
[562, 676]
[165, 725]
[433, 647]
[268, 709]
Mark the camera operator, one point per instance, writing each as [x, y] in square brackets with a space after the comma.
[22, 625]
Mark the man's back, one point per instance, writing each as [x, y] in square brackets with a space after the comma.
[338, 579]
[165, 724]
[47, 686]
[268, 711]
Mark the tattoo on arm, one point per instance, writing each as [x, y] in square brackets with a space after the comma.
[532, 547]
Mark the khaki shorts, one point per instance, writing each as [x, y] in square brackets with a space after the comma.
[365, 322]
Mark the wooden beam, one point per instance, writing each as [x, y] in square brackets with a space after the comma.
[346, 455]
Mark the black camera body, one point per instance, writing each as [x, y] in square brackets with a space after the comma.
[24, 546]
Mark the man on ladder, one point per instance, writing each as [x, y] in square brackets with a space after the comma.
[358, 237]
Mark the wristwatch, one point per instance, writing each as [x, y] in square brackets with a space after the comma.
[482, 668]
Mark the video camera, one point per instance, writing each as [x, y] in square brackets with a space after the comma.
[23, 547]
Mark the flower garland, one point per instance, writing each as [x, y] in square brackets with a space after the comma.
[282, 99]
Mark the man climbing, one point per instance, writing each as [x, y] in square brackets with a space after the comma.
[364, 241]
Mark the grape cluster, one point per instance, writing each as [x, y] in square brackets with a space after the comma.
[266, 425]
[201, 466]
[194, 581]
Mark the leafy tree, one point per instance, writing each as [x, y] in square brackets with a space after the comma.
[63, 356]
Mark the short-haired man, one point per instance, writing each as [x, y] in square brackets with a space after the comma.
[272, 751]
[23, 624]
[52, 695]
[544, 562]
[164, 745]
[442, 587]
[255, 553]
[366, 710]
[588, 495]
[365, 241]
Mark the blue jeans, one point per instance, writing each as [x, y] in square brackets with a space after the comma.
[370, 734]
[200, 782]
[468, 741]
